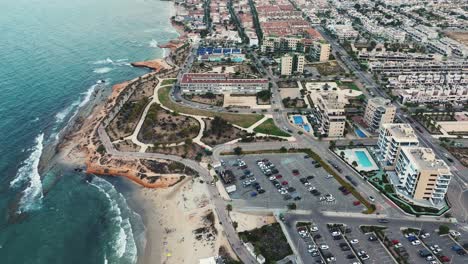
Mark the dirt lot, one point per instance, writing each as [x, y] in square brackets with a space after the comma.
[329, 68]
[163, 127]
[218, 131]
[189, 151]
[208, 99]
[460, 36]
[460, 153]
[126, 145]
[287, 84]
[126, 120]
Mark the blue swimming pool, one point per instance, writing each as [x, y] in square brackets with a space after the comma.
[306, 128]
[359, 133]
[363, 159]
[298, 120]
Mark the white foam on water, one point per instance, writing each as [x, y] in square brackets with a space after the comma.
[109, 61]
[29, 174]
[153, 43]
[123, 244]
[102, 70]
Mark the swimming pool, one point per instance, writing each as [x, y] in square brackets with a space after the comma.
[298, 120]
[306, 128]
[363, 159]
[359, 133]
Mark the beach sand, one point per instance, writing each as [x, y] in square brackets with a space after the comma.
[171, 215]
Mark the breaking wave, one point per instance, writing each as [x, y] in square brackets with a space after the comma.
[28, 175]
[122, 246]
[153, 43]
[102, 70]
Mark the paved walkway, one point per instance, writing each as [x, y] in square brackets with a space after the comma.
[155, 99]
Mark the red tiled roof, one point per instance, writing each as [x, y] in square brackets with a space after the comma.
[188, 78]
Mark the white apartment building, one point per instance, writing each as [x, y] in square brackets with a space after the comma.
[379, 111]
[344, 32]
[292, 63]
[392, 68]
[434, 94]
[396, 56]
[421, 177]
[282, 44]
[320, 51]
[218, 83]
[392, 137]
[330, 113]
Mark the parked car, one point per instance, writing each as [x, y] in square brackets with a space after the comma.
[354, 241]
[383, 221]
[356, 203]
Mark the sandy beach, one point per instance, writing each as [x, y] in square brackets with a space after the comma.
[179, 226]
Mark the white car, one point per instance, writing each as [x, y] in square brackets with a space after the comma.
[371, 198]
[409, 234]
[272, 178]
[331, 259]
[455, 233]
[415, 242]
[425, 235]
[354, 241]
[313, 229]
[399, 245]
[307, 184]
[324, 246]
[329, 176]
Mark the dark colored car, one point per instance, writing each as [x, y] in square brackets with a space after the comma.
[310, 177]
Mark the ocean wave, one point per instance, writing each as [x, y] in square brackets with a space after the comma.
[153, 43]
[109, 61]
[75, 105]
[29, 173]
[102, 70]
[123, 245]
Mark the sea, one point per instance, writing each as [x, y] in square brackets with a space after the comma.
[54, 55]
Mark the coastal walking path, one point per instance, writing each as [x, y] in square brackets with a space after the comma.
[155, 99]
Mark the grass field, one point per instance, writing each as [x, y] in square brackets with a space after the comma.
[349, 85]
[168, 81]
[268, 127]
[242, 120]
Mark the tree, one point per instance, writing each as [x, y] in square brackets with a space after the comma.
[238, 151]
[342, 154]
[354, 164]
[283, 149]
[229, 207]
[292, 206]
[332, 144]
[235, 225]
[264, 95]
[444, 229]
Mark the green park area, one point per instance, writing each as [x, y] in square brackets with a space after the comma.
[242, 120]
[268, 127]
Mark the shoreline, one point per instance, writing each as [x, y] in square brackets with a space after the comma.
[159, 202]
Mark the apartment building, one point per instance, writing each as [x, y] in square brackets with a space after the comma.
[379, 111]
[396, 56]
[421, 176]
[217, 83]
[292, 63]
[434, 94]
[343, 32]
[392, 68]
[392, 137]
[283, 44]
[329, 109]
[320, 51]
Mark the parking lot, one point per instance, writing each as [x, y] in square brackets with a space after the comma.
[443, 244]
[289, 178]
[374, 249]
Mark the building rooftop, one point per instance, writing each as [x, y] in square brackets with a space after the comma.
[379, 101]
[401, 132]
[424, 159]
[216, 78]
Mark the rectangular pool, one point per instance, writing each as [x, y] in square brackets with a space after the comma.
[359, 133]
[298, 120]
[363, 160]
[306, 128]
